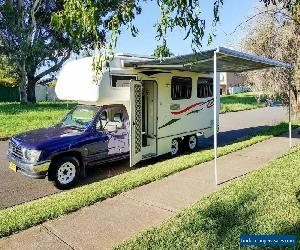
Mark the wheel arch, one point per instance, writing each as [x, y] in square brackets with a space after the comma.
[75, 154]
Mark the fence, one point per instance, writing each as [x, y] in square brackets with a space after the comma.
[42, 93]
[9, 94]
[45, 93]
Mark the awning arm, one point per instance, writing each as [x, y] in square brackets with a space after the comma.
[215, 91]
[290, 108]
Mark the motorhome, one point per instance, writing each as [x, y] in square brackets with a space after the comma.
[130, 109]
[167, 108]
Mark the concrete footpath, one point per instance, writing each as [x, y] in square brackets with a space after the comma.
[108, 223]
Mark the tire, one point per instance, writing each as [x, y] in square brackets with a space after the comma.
[191, 143]
[175, 147]
[66, 172]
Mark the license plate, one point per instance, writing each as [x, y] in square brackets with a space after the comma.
[12, 166]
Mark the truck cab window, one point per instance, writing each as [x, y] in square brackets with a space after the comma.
[80, 117]
[110, 118]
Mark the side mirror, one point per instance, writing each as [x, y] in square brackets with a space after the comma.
[111, 128]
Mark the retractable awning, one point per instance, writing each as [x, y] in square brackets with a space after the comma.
[228, 61]
[213, 61]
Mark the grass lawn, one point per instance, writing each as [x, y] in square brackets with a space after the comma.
[238, 102]
[16, 118]
[32, 213]
[266, 201]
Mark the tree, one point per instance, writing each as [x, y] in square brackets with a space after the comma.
[276, 35]
[31, 45]
[162, 51]
[8, 75]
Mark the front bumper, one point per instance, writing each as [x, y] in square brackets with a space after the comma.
[36, 170]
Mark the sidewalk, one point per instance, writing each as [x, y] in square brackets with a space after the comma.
[108, 223]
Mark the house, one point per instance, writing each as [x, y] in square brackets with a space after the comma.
[232, 83]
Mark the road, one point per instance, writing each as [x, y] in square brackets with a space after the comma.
[16, 189]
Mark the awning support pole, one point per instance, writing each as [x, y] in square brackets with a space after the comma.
[290, 108]
[215, 89]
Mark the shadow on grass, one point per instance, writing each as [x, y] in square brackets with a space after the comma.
[225, 220]
[17, 108]
[286, 229]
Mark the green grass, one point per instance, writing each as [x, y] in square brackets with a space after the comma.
[266, 201]
[238, 102]
[16, 118]
[32, 213]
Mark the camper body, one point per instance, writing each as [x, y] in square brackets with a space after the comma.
[136, 112]
[164, 104]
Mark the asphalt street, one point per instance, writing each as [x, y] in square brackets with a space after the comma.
[16, 189]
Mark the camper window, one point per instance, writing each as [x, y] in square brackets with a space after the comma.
[181, 88]
[204, 87]
[121, 80]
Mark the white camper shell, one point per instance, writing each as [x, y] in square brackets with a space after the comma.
[168, 107]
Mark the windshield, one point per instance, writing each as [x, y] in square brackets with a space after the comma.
[80, 117]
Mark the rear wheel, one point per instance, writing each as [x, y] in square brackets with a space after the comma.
[175, 146]
[66, 172]
[191, 143]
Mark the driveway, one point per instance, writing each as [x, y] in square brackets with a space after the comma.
[16, 189]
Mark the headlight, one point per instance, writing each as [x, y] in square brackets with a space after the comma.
[31, 155]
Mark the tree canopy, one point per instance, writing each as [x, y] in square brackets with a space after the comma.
[276, 35]
[8, 74]
[81, 18]
[34, 48]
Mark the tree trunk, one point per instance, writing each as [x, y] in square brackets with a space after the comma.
[23, 85]
[31, 90]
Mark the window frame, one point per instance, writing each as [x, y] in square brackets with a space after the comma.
[121, 75]
[190, 85]
[210, 84]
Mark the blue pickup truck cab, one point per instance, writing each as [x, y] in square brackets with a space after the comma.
[88, 135]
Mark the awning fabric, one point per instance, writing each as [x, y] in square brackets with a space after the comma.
[228, 61]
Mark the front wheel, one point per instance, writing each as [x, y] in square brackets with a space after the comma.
[66, 172]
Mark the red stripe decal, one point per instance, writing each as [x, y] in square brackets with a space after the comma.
[210, 103]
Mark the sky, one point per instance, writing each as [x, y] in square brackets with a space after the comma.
[233, 13]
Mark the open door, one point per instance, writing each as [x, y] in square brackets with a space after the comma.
[135, 122]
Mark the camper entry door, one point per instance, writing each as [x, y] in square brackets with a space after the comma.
[135, 122]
